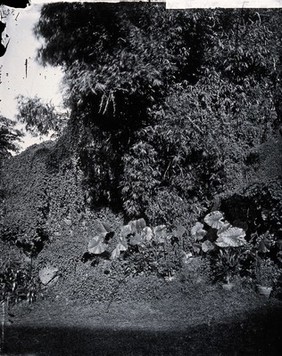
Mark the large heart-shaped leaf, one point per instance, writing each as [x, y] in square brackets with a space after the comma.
[232, 237]
[207, 246]
[198, 232]
[103, 227]
[147, 234]
[160, 233]
[225, 225]
[105, 230]
[126, 230]
[137, 225]
[115, 253]
[179, 231]
[122, 241]
[97, 245]
[136, 239]
[119, 248]
[141, 224]
[214, 219]
[196, 247]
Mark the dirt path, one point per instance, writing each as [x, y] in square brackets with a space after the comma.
[229, 325]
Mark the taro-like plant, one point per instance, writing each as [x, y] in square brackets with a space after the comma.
[135, 233]
[222, 241]
[232, 255]
[226, 234]
[198, 232]
[98, 244]
[153, 249]
[142, 248]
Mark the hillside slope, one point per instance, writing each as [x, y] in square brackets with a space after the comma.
[46, 213]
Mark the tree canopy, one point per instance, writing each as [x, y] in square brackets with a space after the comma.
[9, 137]
[40, 118]
[168, 106]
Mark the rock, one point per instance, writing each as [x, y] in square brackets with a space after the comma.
[263, 290]
[48, 274]
[228, 286]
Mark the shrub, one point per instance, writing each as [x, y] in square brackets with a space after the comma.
[232, 255]
[17, 283]
[138, 249]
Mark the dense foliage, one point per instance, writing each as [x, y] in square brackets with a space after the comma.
[40, 118]
[172, 114]
[17, 283]
[36, 199]
[9, 137]
[137, 249]
[168, 106]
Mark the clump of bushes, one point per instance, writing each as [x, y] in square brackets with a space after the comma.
[137, 249]
[234, 253]
[17, 283]
[215, 249]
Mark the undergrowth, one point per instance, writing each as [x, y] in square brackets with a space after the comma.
[213, 251]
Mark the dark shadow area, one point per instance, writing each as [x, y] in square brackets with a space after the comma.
[257, 334]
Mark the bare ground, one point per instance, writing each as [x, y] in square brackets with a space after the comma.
[217, 322]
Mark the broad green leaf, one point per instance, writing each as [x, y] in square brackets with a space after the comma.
[125, 230]
[122, 241]
[160, 233]
[100, 228]
[103, 227]
[214, 219]
[136, 240]
[122, 246]
[207, 246]
[141, 224]
[147, 233]
[107, 226]
[115, 253]
[137, 225]
[119, 248]
[233, 232]
[222, 243]
[97, 245]
[179, 231]
[132, 225]
[198, 232]
[196, 248]
[232, 237]
[224, 227]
